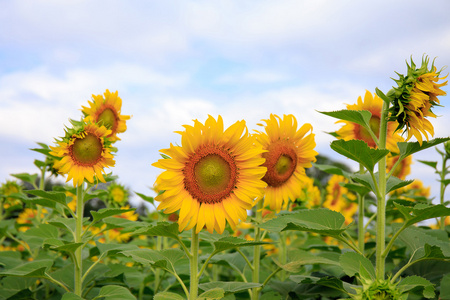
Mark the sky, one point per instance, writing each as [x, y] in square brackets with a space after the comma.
[175, 61]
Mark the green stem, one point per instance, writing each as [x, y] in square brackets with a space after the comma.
[361, 230]
[193, 289]
[370, 221]
[443, 186]
[257, 250]
[48, 277]
[391, 242]
[158, 271]
[270, 277]
[381, 197]
[283, 253]
[245, 258]
[205, 264]
[78, 239]
[41, 187]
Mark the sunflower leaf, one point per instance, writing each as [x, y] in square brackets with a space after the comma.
[331, 282]
[408, 148]
[146, 198]
[445, 287]
[383, 96]
[229, 286]
[168, 296]
[59, 197]
[412, 282]
[361, 117]
[35, 268]
[359, 151]
[232, 242]
[392, 183]
[321, 220]
[299, 258]
[432, 164]
[354, 263]
[164, 229]
[25, 177]
[115, 292]
[108, 212]
[332, 170]
[421, 212]
[212, 294]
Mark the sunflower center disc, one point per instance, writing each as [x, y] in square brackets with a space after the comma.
[210, 175]
[107, 118]
[87, 150]
[281, 161]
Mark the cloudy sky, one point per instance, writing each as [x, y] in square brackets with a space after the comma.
[174, 61]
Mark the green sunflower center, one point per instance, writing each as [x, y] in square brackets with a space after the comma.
[87, 150]
[108, 118]
[210, 174]
[281, 162]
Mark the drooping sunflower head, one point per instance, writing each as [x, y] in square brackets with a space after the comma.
[118, 194]
[289, 150]
[353, 131]
[84, 151]
[414, 98]
[106, 110]
[213, 177]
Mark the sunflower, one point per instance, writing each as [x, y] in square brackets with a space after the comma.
[353, 131]
[413, 191]
[412, 101]
[117, 193]
[106, 111]
[26, 217]
[85, 152]
[403, 169]
[338, 197]
[288, 152]
[213, 177]
[8, 188]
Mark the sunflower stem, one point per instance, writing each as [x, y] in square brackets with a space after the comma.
[361, 231]
[78, 239]
[257, 250]
[193, 289]
[443, 186]
[381, 197]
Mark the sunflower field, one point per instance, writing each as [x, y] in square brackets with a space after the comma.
[236, 214]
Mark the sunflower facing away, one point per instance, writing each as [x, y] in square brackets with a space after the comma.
[213, 177]
[353, 131]
[417, 93]
[106, 111]
[288, 152]
[85, 152]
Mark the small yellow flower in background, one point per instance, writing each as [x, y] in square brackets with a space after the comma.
[413, 190]
[403, 169]
[213, 177]
[310, 194]
[289, 150]
[412, 101]
[84, 153]
[27, 216]
[339, 198]
[115, 234]
[353, 131]
[8, 188]
[117, 193]
[106, 111]
[73, 203]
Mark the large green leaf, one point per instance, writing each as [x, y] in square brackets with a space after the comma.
[10, 259]
[146, 198]
[392, 183]
[332, 170]
[232, 242]
[115, 292]
[407, 149]
[165, 259]
[160, 229]
[71, 296]
[168, 296]
[445, 287]
[298, 258]
[354, 263]
[35, 268]
[111, 249]
[213, 294]
[108, 212]
[321, 220]
[413, 282]
[30, 178]
[229, 286]
[359, 151]
[67, 223]
[331, 282]
[421, 212]
[420, 242]
[58, 197]
[361, 117]
[35, 236]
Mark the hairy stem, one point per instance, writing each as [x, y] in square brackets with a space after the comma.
[78, 239]
[193, 289]
[257, 250]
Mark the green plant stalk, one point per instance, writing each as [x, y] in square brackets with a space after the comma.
[442, 189]
[257, 250]
[78, 239]
[361, 231]
[283, 253]
[381, 198]
[193, 289]
[41, 187]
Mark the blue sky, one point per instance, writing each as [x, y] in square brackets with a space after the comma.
[174, 61]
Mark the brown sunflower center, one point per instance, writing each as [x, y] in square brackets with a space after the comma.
[87, 150]
[210, 174]
[108, 118]
[281, 161]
